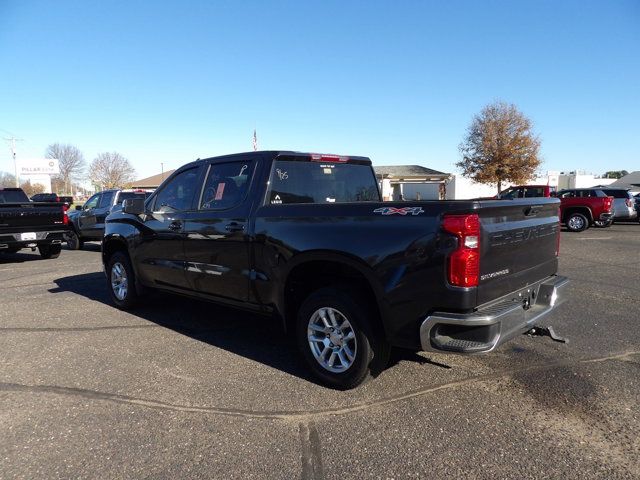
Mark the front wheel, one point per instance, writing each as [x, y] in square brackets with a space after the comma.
[336, 339]
[50, 251]
[577, 222]
[121, 281]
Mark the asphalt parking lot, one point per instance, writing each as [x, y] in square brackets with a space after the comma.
[182, 389]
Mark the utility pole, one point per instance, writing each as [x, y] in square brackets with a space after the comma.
[13, 141]
[162, 172]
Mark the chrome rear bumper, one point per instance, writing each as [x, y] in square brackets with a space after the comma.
[486, 329]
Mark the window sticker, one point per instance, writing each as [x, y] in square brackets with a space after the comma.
[219, 191]
[327, 171]
[282, 175]
[276, 200]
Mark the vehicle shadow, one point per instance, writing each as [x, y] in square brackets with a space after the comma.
[88, 247]
[19, 257]
[258, 338]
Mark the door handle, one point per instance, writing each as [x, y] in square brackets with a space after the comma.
[175, 226]
[234, 227]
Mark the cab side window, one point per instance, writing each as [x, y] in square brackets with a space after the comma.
[177, 195]
[226, 185]
[534, 192]
[92, 202]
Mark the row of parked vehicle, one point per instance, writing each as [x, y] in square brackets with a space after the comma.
[581, 208]
[46, 221]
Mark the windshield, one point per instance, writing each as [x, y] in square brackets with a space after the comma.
[319, 182]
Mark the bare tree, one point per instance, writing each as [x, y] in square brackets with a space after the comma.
[72, 163]
[500, 146]
[7, 180]
[110, 170]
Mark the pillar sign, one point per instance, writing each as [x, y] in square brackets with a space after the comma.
[38, 166]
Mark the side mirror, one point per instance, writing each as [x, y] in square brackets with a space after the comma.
[78, 207]
[133, 206]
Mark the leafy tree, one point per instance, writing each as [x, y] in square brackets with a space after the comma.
[110, 170]
[500, 146]
[72, 163]
[616, 174]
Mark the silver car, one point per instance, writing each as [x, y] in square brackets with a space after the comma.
[623, 204]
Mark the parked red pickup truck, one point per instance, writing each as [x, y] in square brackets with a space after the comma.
[582, 207]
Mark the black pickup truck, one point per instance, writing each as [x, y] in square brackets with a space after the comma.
[306, 238]
[27, 224]
[86, 223]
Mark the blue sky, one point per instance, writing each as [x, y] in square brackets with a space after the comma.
[397, 81]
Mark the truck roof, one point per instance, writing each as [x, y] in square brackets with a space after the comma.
[291, 155]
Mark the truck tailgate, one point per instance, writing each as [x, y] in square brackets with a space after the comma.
[31, 216]
[518, 246]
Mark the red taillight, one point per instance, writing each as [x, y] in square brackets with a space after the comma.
[608, 203]
[317, 157]
[65, 217]
[464, 261]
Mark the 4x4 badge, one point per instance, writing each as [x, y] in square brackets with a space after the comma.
[399, 211]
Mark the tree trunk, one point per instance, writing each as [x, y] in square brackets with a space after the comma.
[499, 186]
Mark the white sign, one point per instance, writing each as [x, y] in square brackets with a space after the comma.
[38, 166]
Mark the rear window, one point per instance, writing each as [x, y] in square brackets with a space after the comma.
[13, 196]
[617, 193]
[127, 195]
[318, 182]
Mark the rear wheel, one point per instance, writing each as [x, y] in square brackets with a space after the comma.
[335, 338]
[577, 222]
[121, 281]
[73, 240]
[50, 251]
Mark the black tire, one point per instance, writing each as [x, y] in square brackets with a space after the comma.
[50, 251]
[576, 222]
[73, 240]
[370, 353]
[130, 297]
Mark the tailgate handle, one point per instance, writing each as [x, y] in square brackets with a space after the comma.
[530, 211]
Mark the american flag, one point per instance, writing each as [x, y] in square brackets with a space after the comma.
[255, 141]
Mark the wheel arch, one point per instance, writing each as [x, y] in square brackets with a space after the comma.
[311, 271]
[583, 210]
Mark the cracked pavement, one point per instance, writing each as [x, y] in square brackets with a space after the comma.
[186, 389]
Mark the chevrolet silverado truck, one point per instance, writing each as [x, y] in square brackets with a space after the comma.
[307, 239]
[27, 224]
[582, 207]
